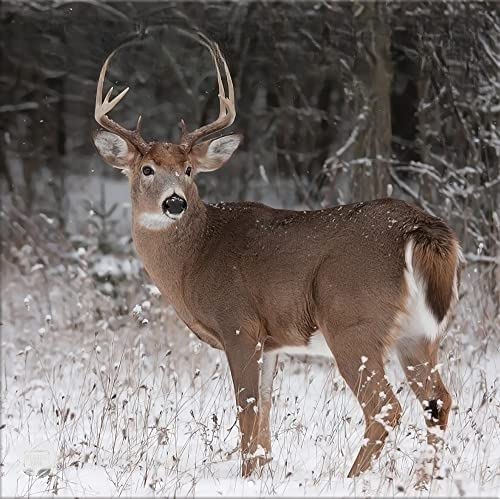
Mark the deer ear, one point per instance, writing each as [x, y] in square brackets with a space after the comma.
[115, 150]
[212, 154]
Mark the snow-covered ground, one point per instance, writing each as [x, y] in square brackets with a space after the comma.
[101, 403]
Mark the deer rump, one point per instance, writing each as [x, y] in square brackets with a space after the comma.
[431, 274]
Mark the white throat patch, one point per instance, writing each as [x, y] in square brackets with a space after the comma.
[154, 221]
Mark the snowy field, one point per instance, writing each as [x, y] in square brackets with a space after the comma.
[101, 398]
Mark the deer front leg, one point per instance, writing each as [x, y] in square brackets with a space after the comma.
[252, 373]
[267, 373]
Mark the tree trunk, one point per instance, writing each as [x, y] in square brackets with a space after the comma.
[373, 77]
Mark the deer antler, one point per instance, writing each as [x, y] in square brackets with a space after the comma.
[227, 108]
[104, 106]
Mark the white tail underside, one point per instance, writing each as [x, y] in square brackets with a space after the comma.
[418, 321]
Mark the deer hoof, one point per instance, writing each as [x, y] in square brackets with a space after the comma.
[254, 466]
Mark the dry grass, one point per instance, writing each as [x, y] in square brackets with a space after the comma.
[130, 403]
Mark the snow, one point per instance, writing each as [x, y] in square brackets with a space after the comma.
[111, 407]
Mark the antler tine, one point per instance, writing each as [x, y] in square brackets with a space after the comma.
[229, 103]
[227, 109]
[104, 106]
[216, 56]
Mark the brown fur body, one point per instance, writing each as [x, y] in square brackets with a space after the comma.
[306, 269]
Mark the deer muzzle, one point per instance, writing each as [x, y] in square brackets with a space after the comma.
[174, 206]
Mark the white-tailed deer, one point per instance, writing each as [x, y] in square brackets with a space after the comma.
[254, 281]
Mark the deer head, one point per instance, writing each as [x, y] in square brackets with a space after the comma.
[161, 174]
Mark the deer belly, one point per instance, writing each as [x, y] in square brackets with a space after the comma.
[316, 347]
[205, 335]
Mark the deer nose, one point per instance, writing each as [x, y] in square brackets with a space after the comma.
[174, 205]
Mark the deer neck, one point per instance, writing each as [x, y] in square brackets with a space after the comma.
[169, 253]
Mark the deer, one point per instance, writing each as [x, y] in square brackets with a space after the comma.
[354, 281]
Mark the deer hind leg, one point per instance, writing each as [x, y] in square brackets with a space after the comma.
[252, 373]
[360, 361]
[419, 362]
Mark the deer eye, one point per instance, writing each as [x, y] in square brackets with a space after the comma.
[147, 170]
[188, 171]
